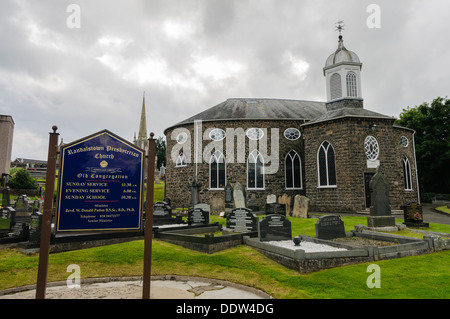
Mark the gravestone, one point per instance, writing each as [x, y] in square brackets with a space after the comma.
[198, 216]
[37, 205]
[330, 227]
[272, 198]
[228, 196]
[413, 215]
[238, 195]
[204, 206]
[286, 200]
[20, 231]
[21, 205]
[242, 220]
[301, 204]
[274, 228]
[7, 218]
[380, 211]
[217, 204]
[35, 227]
[161, 210]
[276, 208]
[6, 201]
[195, 192]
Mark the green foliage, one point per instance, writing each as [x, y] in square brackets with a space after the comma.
[432, 141]
[160, 152]
[22, 180]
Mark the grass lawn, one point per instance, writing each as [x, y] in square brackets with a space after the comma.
[422, 277]
[443, 209]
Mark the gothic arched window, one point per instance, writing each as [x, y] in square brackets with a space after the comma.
[326, 165]
[217, 173]
[255, 171]
[181, 160]
[293, 170]
[407, 173]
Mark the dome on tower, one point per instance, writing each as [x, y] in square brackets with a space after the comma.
[342, 55]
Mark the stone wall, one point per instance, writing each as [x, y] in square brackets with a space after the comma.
[178, 179]
[347, 137]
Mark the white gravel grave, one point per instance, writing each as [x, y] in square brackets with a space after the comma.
[307, 246]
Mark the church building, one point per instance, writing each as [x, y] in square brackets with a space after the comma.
[326, 151]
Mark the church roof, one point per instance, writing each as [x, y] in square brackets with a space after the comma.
[348, 112]
[259, 109]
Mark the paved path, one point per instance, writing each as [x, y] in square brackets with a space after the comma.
[162, 287]
[432, 216]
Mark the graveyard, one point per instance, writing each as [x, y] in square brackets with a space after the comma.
[282, 250]
[268, 250]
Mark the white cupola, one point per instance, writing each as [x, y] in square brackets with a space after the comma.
[343, 75]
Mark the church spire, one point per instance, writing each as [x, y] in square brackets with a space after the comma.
[142, 139]
[142, 136]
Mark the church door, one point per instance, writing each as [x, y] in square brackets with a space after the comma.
[367, 178]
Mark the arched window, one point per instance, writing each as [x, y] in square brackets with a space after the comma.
[407, 173]
[351, 84]
[326, 165]
[181, 160]
[335, 86]
[217, 175]
[293, 170]
[255, 171]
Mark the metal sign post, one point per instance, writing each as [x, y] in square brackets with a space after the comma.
[47, 216]
[149, 218]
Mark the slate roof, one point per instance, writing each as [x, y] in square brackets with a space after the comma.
[348, 112]
[259, 109]
[310, 112]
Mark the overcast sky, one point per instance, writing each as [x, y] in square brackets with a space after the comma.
[89, 74]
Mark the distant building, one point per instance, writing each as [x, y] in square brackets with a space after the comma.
[6, 142]
[327, 151]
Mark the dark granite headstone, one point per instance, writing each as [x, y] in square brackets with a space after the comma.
[242, 220]
[20, 231]
[413, 215]
[274, 227]
[228, 194]
[6, 197]
[161, 210]
[379, 188]
[7, 218]
[330, 227]
[198, 216]
[276, 208]
[195, 192]
[380, 211]
[35, 227]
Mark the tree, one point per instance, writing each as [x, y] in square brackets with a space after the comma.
[432, 141]
[22, 180]
[160, 152]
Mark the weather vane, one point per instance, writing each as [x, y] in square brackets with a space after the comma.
[340, 26]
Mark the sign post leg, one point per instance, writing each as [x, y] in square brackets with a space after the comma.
[47, 216]
[149, 218]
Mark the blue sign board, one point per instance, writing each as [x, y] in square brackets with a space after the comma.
[100, 185]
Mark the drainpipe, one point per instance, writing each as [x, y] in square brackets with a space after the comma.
[415, 163]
